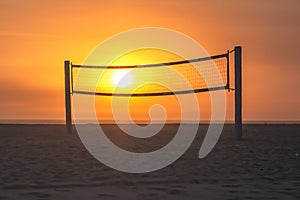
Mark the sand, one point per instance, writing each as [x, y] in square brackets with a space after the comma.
[46, 162]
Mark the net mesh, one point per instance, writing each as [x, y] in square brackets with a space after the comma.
[197, 75]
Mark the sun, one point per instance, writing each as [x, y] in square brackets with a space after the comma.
[122, 78]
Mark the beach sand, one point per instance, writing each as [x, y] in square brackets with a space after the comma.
[47, 162]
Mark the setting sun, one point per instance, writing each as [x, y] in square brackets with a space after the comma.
[122, 78]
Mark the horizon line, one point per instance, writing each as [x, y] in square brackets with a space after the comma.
[62, 122]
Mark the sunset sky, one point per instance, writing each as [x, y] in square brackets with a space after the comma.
[37, 36]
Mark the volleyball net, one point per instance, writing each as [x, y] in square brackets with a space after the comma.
[179, 77]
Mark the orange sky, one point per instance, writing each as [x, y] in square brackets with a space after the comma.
[37, 36]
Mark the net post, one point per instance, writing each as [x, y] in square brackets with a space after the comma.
[68, 96]
[238, 92]
[228, 71]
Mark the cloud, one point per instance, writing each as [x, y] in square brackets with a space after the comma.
[24, 34]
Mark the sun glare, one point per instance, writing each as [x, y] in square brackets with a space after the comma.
[122, 78]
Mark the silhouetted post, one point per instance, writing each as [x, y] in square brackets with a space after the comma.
[238, 91]
[68, 95]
